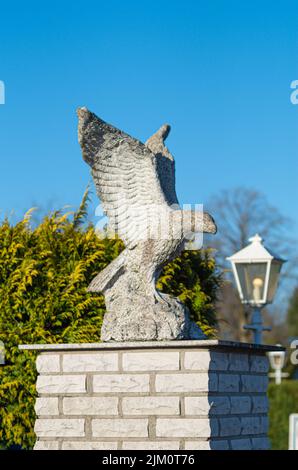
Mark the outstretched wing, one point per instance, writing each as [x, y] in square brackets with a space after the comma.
[125, 174]
[165, 163]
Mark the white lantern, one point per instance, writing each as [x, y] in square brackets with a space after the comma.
[256, 270]
[277, 362]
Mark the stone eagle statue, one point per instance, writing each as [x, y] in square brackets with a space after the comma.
[136, 186]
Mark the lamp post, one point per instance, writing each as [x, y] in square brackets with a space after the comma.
[277, 361]
[256, 270]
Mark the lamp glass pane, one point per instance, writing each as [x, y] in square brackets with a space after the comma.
[273, 279]
[252, 278]
[277, 359]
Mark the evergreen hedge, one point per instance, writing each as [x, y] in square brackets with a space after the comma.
[283, 401]
[44, 272]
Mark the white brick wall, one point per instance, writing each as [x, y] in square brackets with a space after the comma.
[197, 445]
[260, 404]
[241, 444]
[197, 360]
[47, 363]
[46, 445]
[254, 383]
[207, 445]
[259, 364]
[240, 404]
[149, 361]
[150, 445]
[59, 427]
[251, 425]
[61, 384]
[90, 362]
[186, 382]
[238, 362]
[89, 445]
[230, 426]
[184, 427]
[120, 427]
[264, 424]
[90, 406]
[228, 383]
[260, 443]
[46, 406]
[204, 360]
[151, 406]
[152, 399]
[121, 383]
[207, 405]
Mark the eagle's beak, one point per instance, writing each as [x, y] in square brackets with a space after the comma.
[209, 224]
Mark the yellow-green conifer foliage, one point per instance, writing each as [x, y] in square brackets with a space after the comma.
[44, 272]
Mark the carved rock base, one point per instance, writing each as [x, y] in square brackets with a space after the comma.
[146, 318]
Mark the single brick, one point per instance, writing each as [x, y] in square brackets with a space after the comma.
[207, 445]
[90, 445]
[254, 383]
[250, 425]
[264, 424]
[151, 406]
[186, 427]
[259, 364]
[120, 383]
[184, 383]
[61, 384]
[238, 362]
[151, 445]
[260, 404]
[241, 444]
[228, 383]
[90, 405]
[260, 443]
[207, 405]
[46, 445]
[120, 428]
[46, 406]
[59, 427]
[96, 362]
[219, 361]
[205, 361]
[197, 360]
[230, 426]
[48, 363]
[240, 404]
[197, 445]
[145, 361]
[219, 445]
[197, 406]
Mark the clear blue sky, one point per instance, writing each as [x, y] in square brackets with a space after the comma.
[218, 71]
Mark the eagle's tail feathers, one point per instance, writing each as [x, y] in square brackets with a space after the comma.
[107, 277]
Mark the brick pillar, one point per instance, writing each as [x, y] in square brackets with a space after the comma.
[154, 396]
